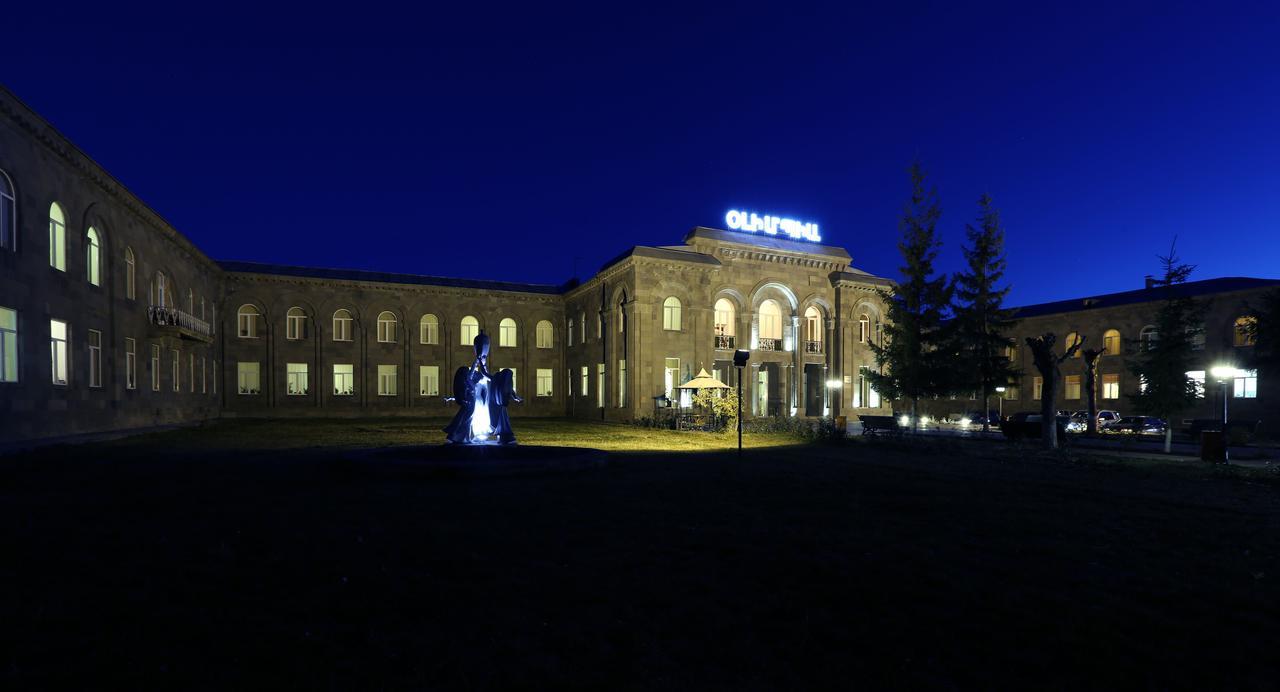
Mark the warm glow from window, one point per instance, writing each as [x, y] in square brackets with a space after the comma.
[57, 237]
[544, 333]
[429, 329]
[1243, 331]
[725, 317]
[470, 330]
[93, 256]
[247, 322]
[1111, 342]
[770, 320]
[507, 332]
[671, 314]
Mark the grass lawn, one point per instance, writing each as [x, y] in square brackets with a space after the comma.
[251, 552]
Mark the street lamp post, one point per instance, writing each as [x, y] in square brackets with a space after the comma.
[1224, 374]
[1000, 400]
[740, 357]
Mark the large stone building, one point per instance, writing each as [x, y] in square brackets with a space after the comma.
[112, 320]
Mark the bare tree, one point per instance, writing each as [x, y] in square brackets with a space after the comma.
[1091, 386]
[1047, 363]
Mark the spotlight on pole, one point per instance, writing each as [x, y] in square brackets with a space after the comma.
[740, 358]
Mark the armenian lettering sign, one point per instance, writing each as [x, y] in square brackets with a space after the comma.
[771, 225]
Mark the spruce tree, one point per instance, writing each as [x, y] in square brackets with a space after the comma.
[912, 359]
[980, 319]
[1161, 364]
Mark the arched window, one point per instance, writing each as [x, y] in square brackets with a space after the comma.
[8, 214]
[1111, 342]
[429, 329]
[725, 318]
[470, 330]
[1149, 336]
[770, 320]
[93, 256]
[1244, 331]
[130, 273]
[247, 321]
[342, 322]
[57, 238]
[386, 327]
[160, 290]
[582, 320]
[295, 324]
[864, 328]
[544, 333]
[507, 332]
[812, 330]
[1071, 340]
[671, 314]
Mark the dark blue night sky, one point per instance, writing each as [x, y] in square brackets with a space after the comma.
[377, 137]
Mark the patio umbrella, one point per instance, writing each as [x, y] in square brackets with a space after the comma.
[703, 381]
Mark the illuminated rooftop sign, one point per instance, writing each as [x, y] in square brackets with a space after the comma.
[771, 225]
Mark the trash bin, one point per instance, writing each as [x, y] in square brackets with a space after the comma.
[1213, 446]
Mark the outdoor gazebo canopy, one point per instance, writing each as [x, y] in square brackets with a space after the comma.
[704, 380]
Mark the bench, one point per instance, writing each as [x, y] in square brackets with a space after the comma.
[874, 425]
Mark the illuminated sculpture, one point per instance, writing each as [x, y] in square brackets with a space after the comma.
[482, 401]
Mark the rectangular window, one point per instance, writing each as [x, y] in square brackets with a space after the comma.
[429, 380]
[296, 379]
[670, 376]
[247, 321]
[622, 383]
[1197, 378]
[155, 368]
[247, 378]
[387, 380]
[341, 327]
[130, 363]
[8, 345]
[543, 333]
[544, 382]
[1246, 384]
[295, 327]
[429, 331]
[386, 330]
[95, 358]
[177, 363]
[58, 350]
[586, 384]
[1072, 387]
[1037, 388]
[1111, 386]
[600, 385]
[1011, 393]
[507, 333]
[344, 379]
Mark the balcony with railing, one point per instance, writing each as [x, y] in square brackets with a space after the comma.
[763, 344]
[184, 324]
[725, 342]
[813, 346]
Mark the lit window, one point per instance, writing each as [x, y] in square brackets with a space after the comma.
[387, 380]
[8, 214]
[1245, 384]
[429, 380]
[247, 381]
[1011, 353]
[58, 350]
[1111, 342]
[429, 329]
[1197, 380]
[130, 363]
[670, 376]
[724, 317]
[1149, 337]
[586, 382]
[1037, 388]
[544, 382]
[812, 330]
[130, 274]
[600, 385]
[1071, 340]
[1111, 386]
[177, 365]
[1011, 393]
[344, 379]
[155, 367]
[295, 325]
[386, 327]
[582, 320]
[770, 320]
[95, 358]
[8, 345]
[295, 379]
[864, 328]
[1244, 331]
[470, 330]
[342, 325]
[622, 383]
[247, 321]
[507, 332]
[57, 238]
[671, 314]
[93, 256]
[544, 333]
[1072, 387]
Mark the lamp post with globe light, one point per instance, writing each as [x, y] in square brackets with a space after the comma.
[1224, 374]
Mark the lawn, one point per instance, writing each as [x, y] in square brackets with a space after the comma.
[246, 554]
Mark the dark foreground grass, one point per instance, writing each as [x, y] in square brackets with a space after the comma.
[175, 562]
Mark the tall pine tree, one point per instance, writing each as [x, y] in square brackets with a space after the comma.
[912, 359]
[980, 319]
[1161, 364]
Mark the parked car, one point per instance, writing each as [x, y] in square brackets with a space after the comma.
[1136, 425]
[1023, 425]
[1108, 416]
[977, 418]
